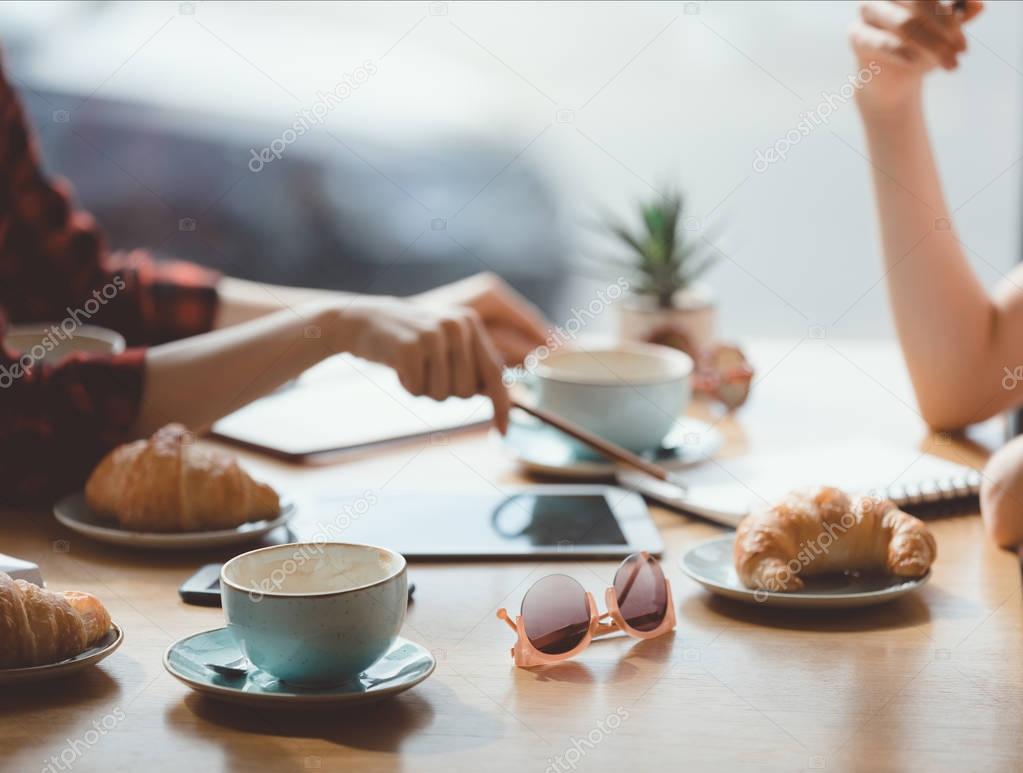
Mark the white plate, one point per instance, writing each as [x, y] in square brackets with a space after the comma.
[544, 450]
[73, 512]
[82, 660]
[404, 666]
[711, 564]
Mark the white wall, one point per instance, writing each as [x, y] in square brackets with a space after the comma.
[661, 92]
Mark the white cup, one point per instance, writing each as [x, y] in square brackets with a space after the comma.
[40, 342]
[631, 394]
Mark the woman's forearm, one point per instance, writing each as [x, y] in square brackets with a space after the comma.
[197, 380]
[944, 318]
[438, 352]
[242, 300]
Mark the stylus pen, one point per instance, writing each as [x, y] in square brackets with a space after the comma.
[605, 447]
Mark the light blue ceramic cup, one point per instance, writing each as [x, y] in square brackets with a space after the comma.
[631, 394]
[315, 613]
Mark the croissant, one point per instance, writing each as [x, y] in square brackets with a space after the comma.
[169, 484]
[820, 531]
[38, 626]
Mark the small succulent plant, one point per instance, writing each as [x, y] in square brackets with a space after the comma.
[661, 261]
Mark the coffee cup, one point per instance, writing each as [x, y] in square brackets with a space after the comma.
[315, 613]
[50, 342]
[631, 393]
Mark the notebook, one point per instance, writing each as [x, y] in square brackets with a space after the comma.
[724, 491]
[344, 405]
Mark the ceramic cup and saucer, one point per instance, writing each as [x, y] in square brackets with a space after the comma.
[629, 393]
[311, 625]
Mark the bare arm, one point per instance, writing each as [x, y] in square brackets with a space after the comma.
[242, 300]
[436, 352]
[956, 339]
[197, 380]
[514, 325]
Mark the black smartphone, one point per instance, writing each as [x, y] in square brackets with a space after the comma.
[203, 588]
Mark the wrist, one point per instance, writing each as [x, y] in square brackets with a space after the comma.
[329, 319]
[890, 111]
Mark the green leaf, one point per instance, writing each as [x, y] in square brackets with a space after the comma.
[664, 258]
[623, 233]
[653, 216]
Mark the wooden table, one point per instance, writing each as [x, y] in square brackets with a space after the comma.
[928, 683]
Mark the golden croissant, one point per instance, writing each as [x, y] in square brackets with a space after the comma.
[821, 531]
[38, 626]
[169, 484]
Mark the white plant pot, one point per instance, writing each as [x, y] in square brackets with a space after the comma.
[694, 312]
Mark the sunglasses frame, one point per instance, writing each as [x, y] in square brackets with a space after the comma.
[528, 656]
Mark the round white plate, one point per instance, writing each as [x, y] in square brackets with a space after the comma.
[544, 450]
[404, 666]
[82, 660]
[73, 512]
[711, 565]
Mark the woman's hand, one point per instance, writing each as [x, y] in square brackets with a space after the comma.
[514, 324]
[907, 39]
[436, 351]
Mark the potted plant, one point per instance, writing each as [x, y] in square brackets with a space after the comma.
[663, 268]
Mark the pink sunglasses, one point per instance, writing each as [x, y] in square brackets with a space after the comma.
[559, 617]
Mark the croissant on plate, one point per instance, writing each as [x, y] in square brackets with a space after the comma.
[168, 483]
[821, 531]
[39, 626]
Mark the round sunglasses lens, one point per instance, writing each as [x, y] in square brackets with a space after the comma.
[639, 589]
[556, 614]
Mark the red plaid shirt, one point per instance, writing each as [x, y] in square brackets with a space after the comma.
[56, 421]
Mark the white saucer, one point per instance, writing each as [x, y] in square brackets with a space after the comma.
[711, 564]
[404, 666]
[544, 450]
[73, 512]
[82, 660]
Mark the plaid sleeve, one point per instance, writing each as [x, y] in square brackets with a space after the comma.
[57, 421]
[55, 265]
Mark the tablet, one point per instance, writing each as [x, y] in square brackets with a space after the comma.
[562, 522]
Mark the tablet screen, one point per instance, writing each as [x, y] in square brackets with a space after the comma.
[435, 524]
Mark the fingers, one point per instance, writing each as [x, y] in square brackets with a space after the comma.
[919, 27]
[438, 368]
[511, 343]
[489, 368]
[411, 367]
[464, 379]
[884, 45]
[944, 18]
[500, 304]
[439, 354]
[973, 7]
[516, 311]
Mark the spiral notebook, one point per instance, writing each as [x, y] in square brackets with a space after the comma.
[726, 490]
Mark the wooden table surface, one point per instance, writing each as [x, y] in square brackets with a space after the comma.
[930, 682]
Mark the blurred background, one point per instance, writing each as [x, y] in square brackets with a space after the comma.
[445, 138]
